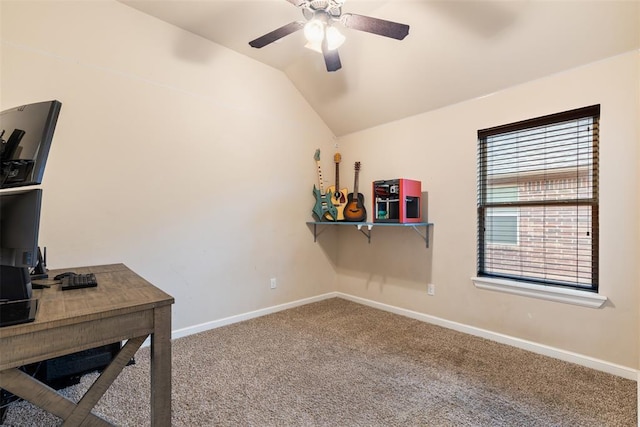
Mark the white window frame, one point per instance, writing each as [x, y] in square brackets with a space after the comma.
[525, 286]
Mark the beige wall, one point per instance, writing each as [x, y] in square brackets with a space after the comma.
[194, 164]
[439, 148]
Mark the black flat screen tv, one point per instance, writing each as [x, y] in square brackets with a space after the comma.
[26, 133]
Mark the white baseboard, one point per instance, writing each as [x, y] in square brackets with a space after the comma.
[567, 356]
[179, 333]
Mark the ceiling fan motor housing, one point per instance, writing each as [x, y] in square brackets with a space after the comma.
[332, 8]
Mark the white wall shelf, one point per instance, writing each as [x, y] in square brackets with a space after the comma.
[366, 228]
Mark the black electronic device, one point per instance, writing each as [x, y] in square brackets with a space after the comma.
[63, 275]
[15, 283]
[40, 270]
[8, 149]
[29, 131]
[16, 312]
[78, 281]
[66, 370]
[19, 228]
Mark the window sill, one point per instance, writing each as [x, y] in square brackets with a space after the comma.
[550, 293]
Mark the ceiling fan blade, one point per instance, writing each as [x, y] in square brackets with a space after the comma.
[331, 57]
[276, 34]
[376, 26]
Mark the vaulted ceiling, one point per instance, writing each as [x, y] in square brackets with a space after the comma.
[456, 50]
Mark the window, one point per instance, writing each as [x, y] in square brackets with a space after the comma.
[538, 200]
[501, 226]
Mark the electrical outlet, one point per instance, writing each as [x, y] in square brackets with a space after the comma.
[431, 289]
[274, 283]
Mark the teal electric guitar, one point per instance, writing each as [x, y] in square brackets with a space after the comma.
[323, 210]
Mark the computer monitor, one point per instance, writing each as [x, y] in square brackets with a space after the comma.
[25, 138]
[19, 229]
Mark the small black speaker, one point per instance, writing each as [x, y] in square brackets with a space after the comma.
[15, 283]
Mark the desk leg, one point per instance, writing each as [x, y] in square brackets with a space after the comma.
[161, 368]
[27, 387]
[100, 386]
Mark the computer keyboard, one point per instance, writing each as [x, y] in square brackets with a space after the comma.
[78, 281]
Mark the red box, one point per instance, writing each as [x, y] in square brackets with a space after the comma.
[397, 200]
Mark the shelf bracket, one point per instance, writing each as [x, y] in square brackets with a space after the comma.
[317, 232]
[366, 233]
[425, 236]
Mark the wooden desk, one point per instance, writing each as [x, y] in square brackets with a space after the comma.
[122, 307]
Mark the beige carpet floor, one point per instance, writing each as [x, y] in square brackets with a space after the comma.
[337, 363]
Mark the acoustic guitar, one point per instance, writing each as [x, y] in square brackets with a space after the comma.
[323, 203]
[355, 211]
[338, 196]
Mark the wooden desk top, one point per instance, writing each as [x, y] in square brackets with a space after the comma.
[119, 291]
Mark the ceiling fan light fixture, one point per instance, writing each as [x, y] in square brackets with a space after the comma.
[316, 47]
[335, 39]
[314, 31]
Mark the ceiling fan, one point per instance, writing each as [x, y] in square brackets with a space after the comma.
[323, 36]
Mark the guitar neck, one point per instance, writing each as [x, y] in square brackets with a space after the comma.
[320, 178]
[355, 183]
